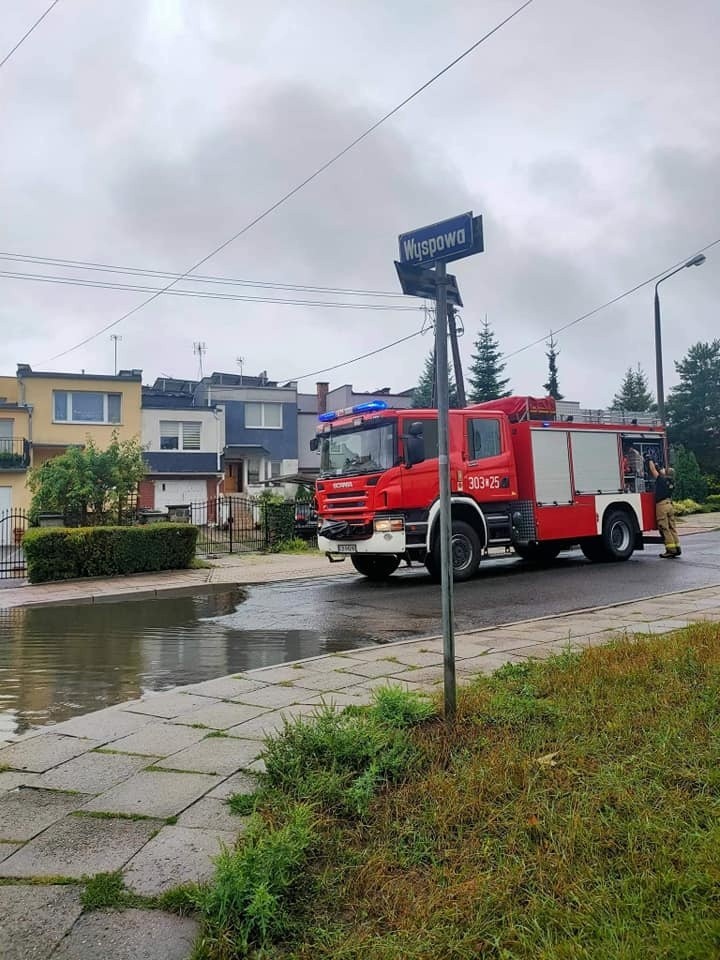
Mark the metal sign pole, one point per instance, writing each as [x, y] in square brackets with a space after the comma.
[443, 390]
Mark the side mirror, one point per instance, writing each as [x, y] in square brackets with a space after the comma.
[414, 444]
[315, 443]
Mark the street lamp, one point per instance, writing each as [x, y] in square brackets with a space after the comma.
[693, 262]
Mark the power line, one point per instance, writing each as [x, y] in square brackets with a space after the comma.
[298, 187]
[27, 34]
[346, 363]
[197, 278]
[90, 265]
[202, 294]
[604, 306]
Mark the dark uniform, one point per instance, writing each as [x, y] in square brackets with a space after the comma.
[665, 515]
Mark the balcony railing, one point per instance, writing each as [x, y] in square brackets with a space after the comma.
[14, 453]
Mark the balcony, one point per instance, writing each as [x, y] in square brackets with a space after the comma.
[14, 453]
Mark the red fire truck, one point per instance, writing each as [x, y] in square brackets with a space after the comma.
[519, 476]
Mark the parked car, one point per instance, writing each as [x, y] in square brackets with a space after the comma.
[306, 519]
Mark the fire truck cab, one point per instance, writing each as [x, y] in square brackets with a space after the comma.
[519, 478]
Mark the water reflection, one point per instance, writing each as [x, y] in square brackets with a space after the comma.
[56, 662]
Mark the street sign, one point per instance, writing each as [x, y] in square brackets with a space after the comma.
[420, 282]
[447, 240]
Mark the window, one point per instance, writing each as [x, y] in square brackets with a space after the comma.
[86, 406]
[253, 470]
[429, 435]
[483, 439]
[263, 416]
[179, 435]
[275, 469]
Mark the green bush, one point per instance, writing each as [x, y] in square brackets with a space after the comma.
[684, 507]
[713, 501]
[59, 553]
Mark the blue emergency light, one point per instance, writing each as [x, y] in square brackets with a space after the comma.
[369, 406]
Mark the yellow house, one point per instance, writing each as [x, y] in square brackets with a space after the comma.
[42, 414]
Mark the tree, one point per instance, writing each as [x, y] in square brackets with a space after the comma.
[634, 393]
[689, 481]
[486, 381]
[86, 482]
[552, 386]
[693, 407]
[423, 393]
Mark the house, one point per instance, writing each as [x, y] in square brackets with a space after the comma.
[340, 398]
[183, 446]
[43, 413]
[261, 428]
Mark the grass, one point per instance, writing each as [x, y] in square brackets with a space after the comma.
[571, 811]
[107, 890]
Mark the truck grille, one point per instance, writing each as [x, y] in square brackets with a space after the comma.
[346, 505]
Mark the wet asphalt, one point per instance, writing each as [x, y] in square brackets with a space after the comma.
[506, 590]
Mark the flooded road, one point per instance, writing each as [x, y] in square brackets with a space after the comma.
[60, 661]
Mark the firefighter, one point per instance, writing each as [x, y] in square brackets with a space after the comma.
[664, 510]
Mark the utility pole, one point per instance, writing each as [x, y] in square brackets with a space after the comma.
[459, 379]
[115, 337]
[446, 565]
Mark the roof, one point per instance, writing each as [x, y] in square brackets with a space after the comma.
[237, 380]
[25, 371]
[238, 449]
[177, 462]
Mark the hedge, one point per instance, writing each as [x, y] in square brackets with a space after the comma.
[61, 553]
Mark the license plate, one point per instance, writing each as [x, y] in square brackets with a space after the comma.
[347, 548]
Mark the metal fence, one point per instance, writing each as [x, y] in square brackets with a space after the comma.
[13, 524]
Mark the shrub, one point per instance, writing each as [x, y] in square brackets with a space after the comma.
[713, 501]
[59, 553]
[684, 507]
[278, 518]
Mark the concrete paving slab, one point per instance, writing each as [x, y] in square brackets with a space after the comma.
[11, 779]
[91, 773]
[371, 652]
[159, 739]
[8, 849]
[169, 705]
[426, 676]
[487, 664]
[238, 783]
[283, 674]
[224, 688]
[176, 855]
[366, 690]
[41, 753]
[129, 935]
[383, 667]
[272, 697]
[26, 812]
[154, 794]
[414, 657]
[212, 814]
[35, 918]
[335, 661]
[339, 699]
[259, 728]
[214, 755]
[664, 626]
[221, 715]
[334, 680]
[76, 846]
[102, 725]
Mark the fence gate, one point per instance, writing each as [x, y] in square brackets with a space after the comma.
[229, 524]
[13, 524]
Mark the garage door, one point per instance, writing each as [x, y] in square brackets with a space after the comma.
[171, 492]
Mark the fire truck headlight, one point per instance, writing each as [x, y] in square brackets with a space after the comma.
[389, 526]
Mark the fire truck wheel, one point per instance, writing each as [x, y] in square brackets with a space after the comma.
[375, 568]
[594, 550]
[618, 535]
[537, 553]
[466, 553]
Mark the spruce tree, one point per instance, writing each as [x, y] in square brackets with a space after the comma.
[694, 405]
[552, 386]
[423, 393]
[486, 369]
[634, 394]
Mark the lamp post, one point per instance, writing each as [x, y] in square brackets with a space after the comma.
[693, 262]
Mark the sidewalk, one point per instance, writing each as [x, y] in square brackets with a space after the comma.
[140, 787]
[237, 569]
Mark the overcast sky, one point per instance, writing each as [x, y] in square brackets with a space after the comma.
[144, 133]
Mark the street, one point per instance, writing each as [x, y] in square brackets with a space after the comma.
[506, 590]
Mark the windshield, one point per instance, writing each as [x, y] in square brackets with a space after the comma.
[362, 450]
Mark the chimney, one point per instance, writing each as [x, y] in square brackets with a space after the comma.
[322, 393]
